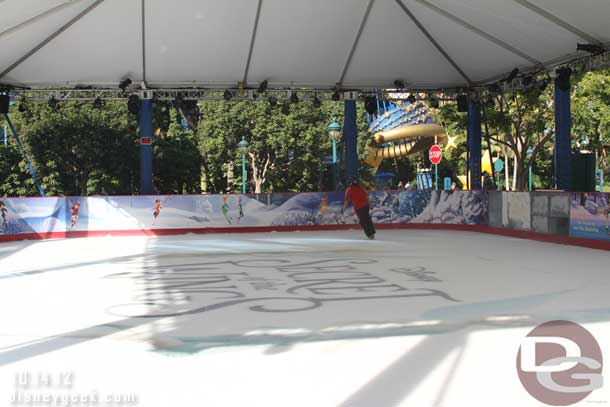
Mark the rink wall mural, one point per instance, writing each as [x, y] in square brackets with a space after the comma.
[590, 216]
[56, 215]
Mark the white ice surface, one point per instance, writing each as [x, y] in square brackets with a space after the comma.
[76, 306]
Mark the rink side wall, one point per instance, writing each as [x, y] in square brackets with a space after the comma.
[549, 216]
[580, 219]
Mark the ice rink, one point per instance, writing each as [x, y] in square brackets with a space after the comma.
[414, 318]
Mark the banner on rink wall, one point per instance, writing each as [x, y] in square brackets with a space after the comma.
[196, 212]
[590, 216]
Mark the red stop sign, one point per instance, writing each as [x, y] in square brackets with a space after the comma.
[435, 154]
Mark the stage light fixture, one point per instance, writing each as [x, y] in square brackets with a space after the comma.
[53, 103]
[513, 74]
[494, 88]
[263, 86]
[490, 101]
[543, 84]
[178, 101]
[124, 84]
[370, 104]
[285, 108]
[591, 48]
[133, 104]
[5, 101]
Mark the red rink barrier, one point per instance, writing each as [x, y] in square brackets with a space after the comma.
[547, 238]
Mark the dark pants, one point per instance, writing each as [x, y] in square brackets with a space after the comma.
[365, 221]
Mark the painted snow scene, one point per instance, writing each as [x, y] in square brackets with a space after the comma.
[44, 215]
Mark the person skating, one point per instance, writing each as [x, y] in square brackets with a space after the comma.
[240, 208]
[360, 201]
[4, 215]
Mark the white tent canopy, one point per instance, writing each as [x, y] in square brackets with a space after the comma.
[358, 44]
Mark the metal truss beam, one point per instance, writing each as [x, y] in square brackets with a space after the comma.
[584, 64]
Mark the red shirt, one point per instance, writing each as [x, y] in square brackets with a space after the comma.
[358, 196]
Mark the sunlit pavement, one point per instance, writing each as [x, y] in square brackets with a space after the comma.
[414, 318]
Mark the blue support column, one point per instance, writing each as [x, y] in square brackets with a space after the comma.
[563, 128]
[146, 136]
[474, 144]
[350, 137]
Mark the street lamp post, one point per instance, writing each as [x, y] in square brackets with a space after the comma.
[529, 172]
[243, 148]
[334, 132]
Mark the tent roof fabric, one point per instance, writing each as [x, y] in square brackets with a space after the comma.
[358, 44]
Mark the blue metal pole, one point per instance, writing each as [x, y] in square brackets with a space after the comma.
[25, 156]
[146, 151]
[474, 144]
[563, 137]
[243, 173]
[350, 138]
[530, 177]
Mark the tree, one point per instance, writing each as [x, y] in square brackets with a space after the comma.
[591, 116]
[287, 143]
[14, 177]
[88, 150]
[519, 121]
[177, 163]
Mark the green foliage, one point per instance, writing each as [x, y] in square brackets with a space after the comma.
[79, 150]
[177, 164]
[15, 180]
[291, 144]
[591, 116]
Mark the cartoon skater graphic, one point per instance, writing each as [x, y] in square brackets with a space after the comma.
[225, 208]
[157, 210]
[241, 209]
[4, 215]
[75, 208]
[323, 207]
